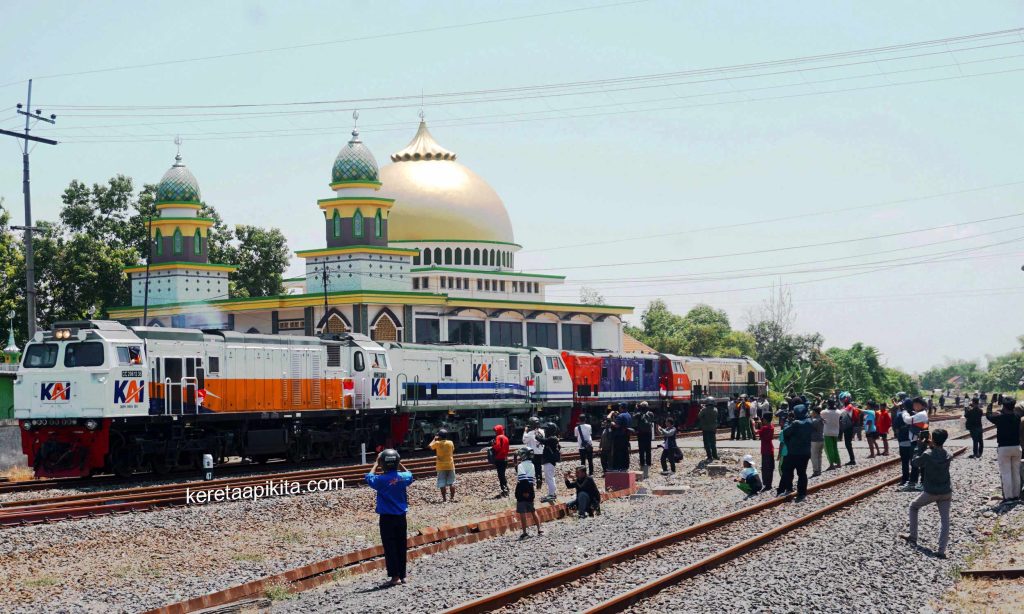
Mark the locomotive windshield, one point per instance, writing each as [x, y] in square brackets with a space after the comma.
[83, 354]
[40, 356]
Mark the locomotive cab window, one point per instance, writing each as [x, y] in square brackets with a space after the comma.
[129, 355]
[40, 356]
[83, 354]
[358, 362]
[538, 364]
[555, 363]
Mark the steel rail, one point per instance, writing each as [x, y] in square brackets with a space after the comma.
[629, 598]
[994, 574]
[508, 596]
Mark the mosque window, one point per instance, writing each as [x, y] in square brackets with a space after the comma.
[479, 284]
[502, 285]
[493, 258]
[426, 283]
[415, 283]
[378, 225]
[467, 256]
[447, 255]
[458, 256]
[197, 243]
[177, 243]
[437, 255]
[476, 256]
[357, 224]
[443, 281]
[416, 259]
[337, 224]
[159, 240]
[426, 257]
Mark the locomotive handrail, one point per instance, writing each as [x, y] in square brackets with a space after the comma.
[403, 389]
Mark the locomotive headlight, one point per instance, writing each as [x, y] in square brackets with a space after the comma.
[62, 334]
[92, 425]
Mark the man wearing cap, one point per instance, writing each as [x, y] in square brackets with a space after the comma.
[392, 505]
[797, 436]
[707, 420]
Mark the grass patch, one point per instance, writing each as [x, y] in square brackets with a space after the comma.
[252, 557]
[339, 575]
[41, 581]
[279, 592]
[17, 474]
[289, 536]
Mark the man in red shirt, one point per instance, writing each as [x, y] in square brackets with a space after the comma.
[499, 446]
[883, 421]
[766, 433]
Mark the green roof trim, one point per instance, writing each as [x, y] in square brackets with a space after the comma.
[507, 273]
[336, 198]
[453, 241]
[183, 264]
[404, 250]
[385, 293]
[184, 219]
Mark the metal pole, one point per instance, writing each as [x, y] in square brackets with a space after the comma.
[30, 273]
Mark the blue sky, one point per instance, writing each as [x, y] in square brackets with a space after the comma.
[609, 168]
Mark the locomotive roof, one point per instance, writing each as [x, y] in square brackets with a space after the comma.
[477, 349]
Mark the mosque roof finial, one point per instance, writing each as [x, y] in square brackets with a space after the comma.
[355, 125]
[422, 147]
[177, 157]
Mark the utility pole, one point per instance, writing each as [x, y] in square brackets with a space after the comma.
[30, 273]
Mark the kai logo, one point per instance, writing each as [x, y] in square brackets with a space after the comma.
[129, 391]
[482, 372]
[381, 387]
[55, 391]
[627, 374]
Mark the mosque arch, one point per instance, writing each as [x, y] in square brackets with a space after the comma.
[197, 243]
[458, 256]
[437, 256]
[158, 238]
[378, 225]
[357, 224]
[476, 255]
[337, 224]
[177, 242]
[447, 255]
[426, 257]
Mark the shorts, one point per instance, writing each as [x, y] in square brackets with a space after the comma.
[524, 507]
[872, 435]
[446, 478]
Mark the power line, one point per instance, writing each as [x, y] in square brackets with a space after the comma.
[418, 99]
[787, 248]
[131, 139]
[784, 218]
[340, 41]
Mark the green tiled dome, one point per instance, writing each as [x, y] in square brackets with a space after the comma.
[354, 162]
[178, 185]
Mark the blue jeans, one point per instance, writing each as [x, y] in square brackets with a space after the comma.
[581, 503]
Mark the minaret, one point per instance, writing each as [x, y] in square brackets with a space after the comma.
[357, 256]
[180, 270]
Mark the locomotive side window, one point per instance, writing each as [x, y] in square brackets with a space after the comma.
[513, 362]
[129, 355]
[40, 356]
[214, 365]
[538, 364]
[555, 363]
[447, 369]
[84, 354]
[358, 363]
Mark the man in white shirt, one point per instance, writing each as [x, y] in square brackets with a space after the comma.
[533, 439]
[733, 421]
[585, 442]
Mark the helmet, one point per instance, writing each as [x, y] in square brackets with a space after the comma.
[524, 453]
[534, 421]
[389, 459]
[901, 395]
[908, 404]
[443, 433]
[845, 396]
[550, 428]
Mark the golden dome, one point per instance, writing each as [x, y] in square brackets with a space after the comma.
[439, 199]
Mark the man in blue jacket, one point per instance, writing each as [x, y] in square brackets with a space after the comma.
[797, 436]
[392, 504]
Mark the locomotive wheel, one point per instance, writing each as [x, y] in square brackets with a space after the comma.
[123, 458]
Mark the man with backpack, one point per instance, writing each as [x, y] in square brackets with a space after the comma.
[848, 418]
[901, 424]
[552, 456]
[585, 443]
[797, 438]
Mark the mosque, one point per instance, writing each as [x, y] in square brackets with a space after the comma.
[421, 250]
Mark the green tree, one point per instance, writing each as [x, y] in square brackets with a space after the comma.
[12, 280]
[261, 256]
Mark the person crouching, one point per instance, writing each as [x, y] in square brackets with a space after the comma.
[749, 482]
[588, 497]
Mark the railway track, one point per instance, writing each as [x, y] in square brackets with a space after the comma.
[689, 552]
[85, 505]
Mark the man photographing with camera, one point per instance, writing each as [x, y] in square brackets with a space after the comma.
[933, 462]
[392, 504]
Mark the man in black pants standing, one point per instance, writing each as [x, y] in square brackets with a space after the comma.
[644, 433]
[972, 421]
[392, 505]
[797, 436]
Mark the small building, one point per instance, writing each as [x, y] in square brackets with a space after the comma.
[420, 250]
